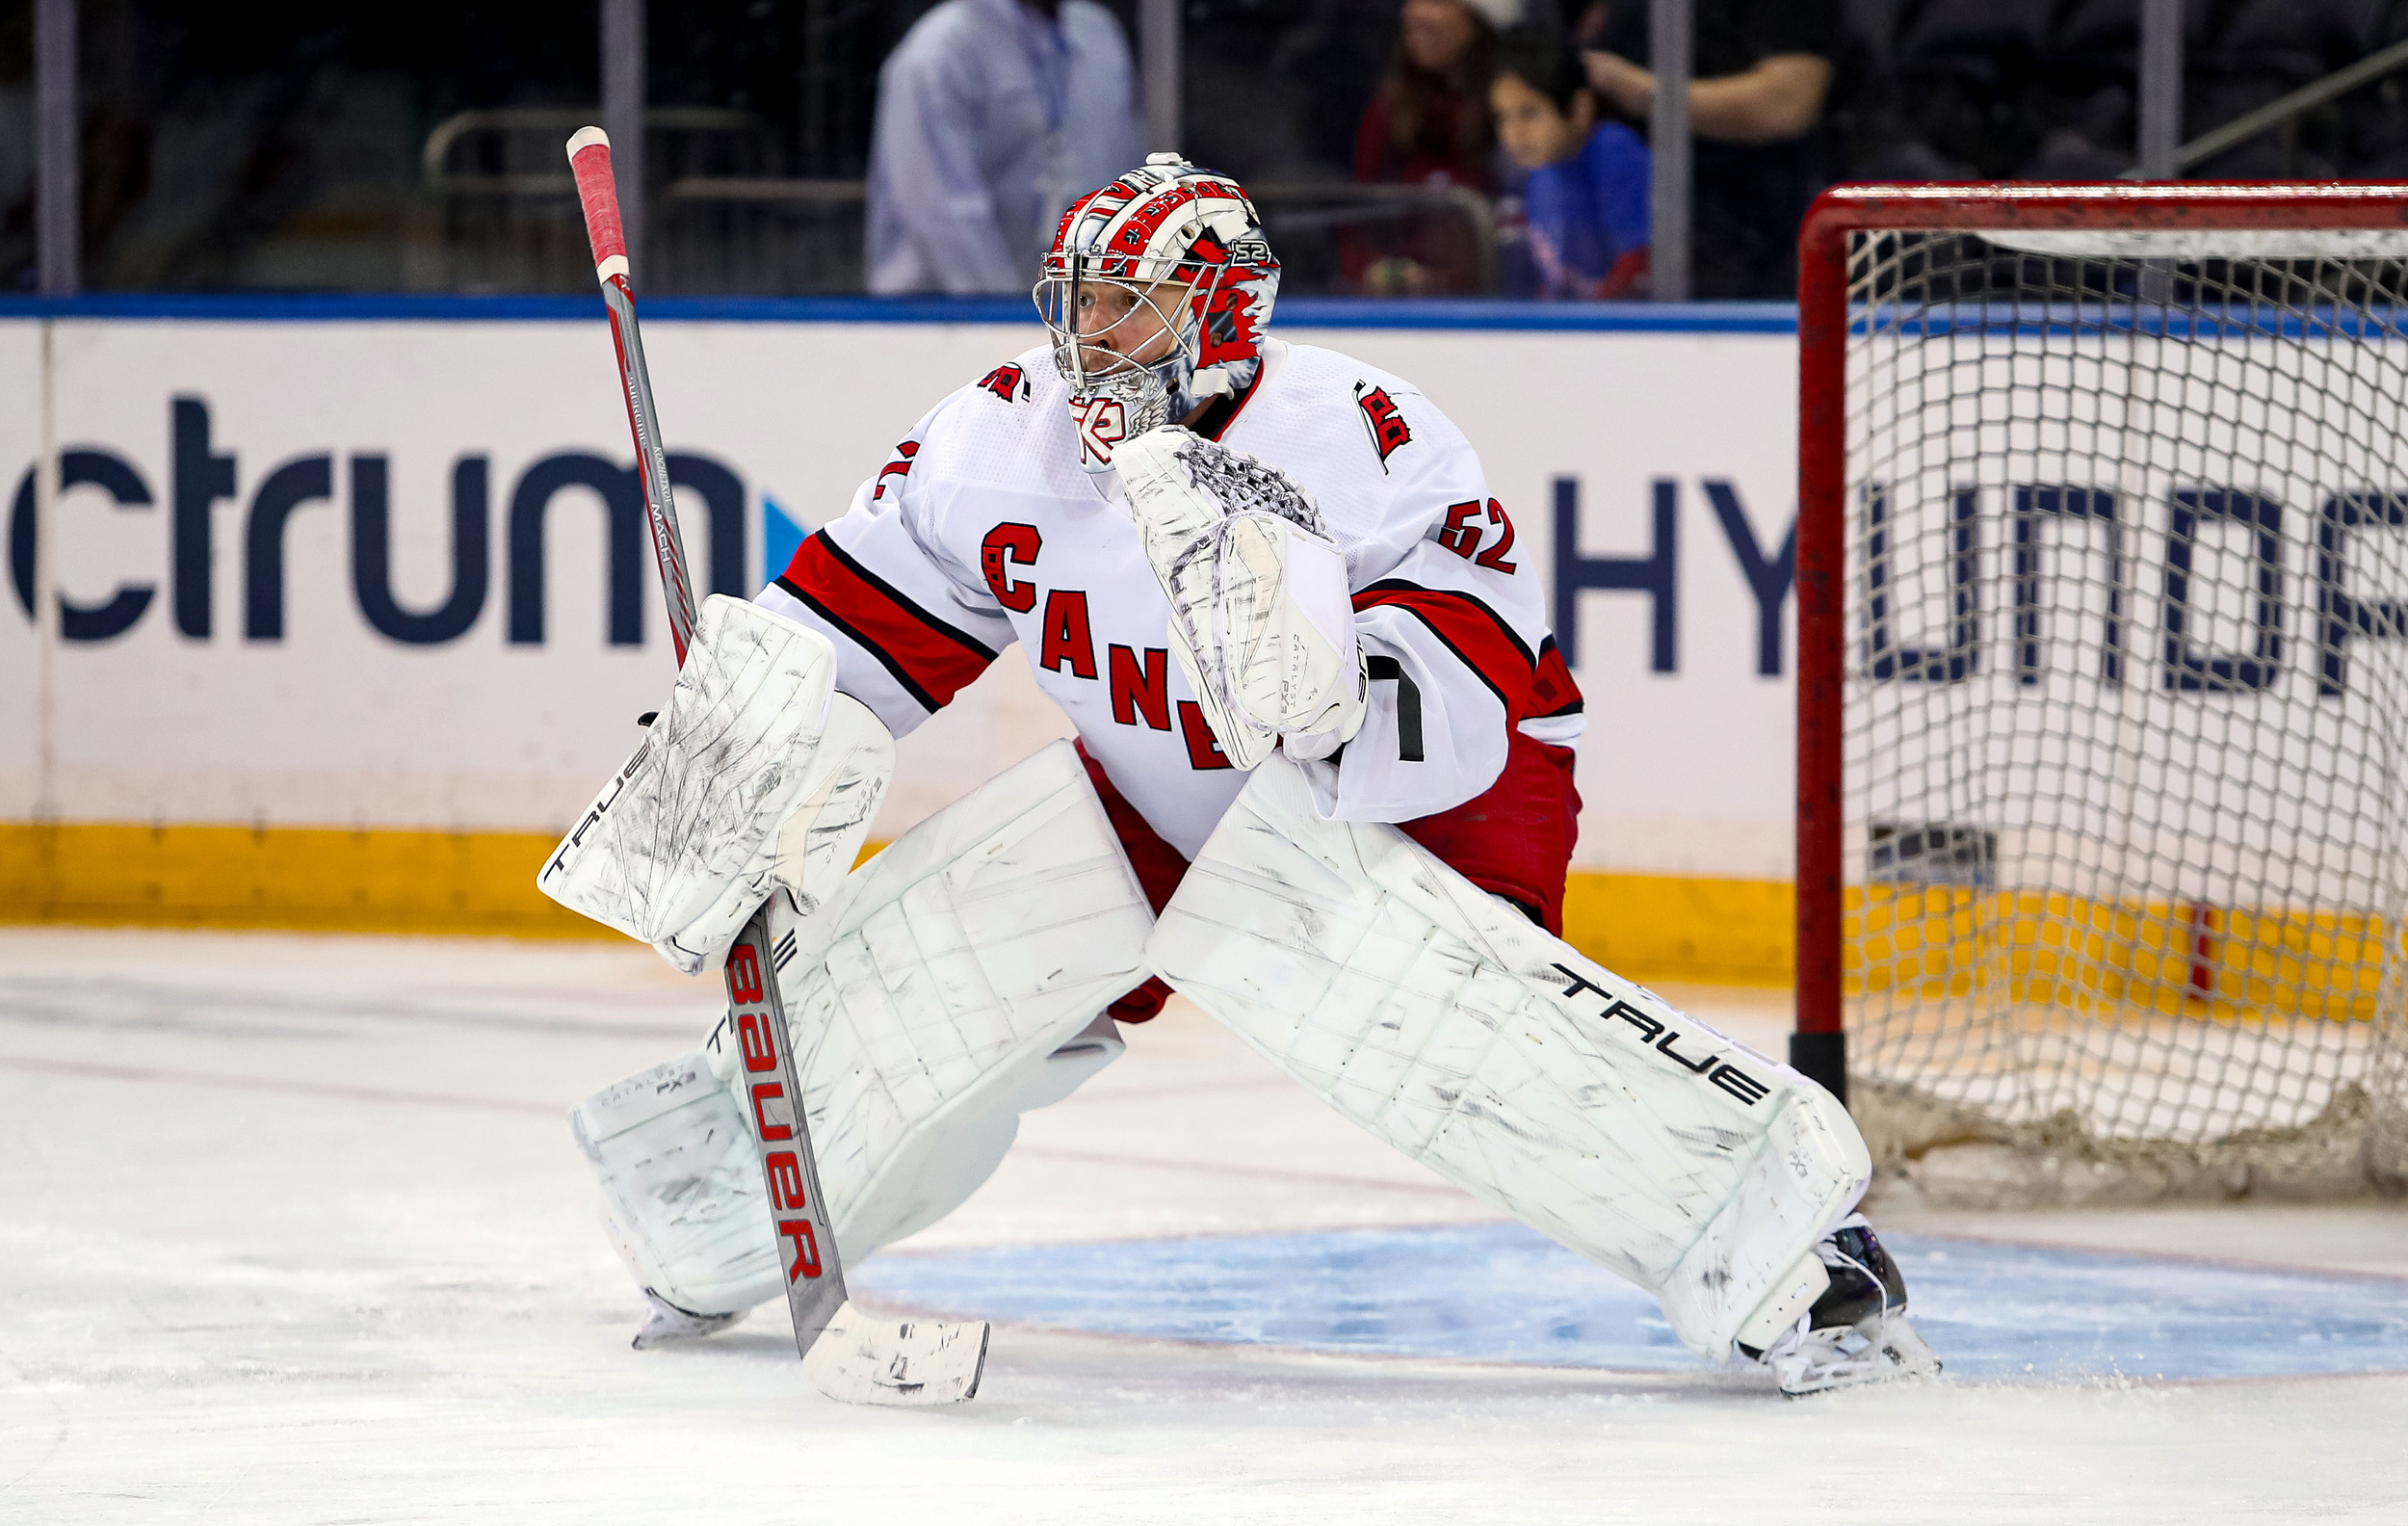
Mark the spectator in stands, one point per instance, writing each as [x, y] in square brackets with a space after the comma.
[1761, 76]
[993, 115]
[1428, 124]
[1586, 198]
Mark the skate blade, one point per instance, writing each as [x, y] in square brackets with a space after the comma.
[667, 1325]
[1883, 1350]
[860, 1360]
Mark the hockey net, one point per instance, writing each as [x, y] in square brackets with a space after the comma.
[2113, 696]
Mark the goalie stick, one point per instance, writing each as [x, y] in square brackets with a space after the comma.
[849, 1354]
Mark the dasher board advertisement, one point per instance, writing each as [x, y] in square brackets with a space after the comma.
[337, 564]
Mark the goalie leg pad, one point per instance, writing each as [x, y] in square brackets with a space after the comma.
[670, 1149]
[952, 985]
[1581, 1103]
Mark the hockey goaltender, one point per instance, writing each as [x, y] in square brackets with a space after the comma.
[1323, 787]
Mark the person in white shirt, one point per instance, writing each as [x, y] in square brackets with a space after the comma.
[991, 116]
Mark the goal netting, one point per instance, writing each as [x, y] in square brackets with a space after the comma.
[2125, 699]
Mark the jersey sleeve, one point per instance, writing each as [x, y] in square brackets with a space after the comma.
[1452, 628]
[911, 626]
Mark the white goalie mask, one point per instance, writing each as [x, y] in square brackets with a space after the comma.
[1155, 293]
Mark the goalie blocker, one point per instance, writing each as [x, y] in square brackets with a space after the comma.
[757, 776]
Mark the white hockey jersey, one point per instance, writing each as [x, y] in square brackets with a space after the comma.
[982, 530]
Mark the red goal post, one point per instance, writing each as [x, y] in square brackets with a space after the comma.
[1839, 305]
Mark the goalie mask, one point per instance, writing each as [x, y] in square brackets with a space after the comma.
[1155, 293]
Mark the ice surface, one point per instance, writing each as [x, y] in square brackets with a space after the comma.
[291, 1230]
[1504, 1293]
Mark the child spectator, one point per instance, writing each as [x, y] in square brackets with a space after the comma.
[1586, 198]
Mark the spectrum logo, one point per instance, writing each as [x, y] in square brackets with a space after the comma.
[204, 477]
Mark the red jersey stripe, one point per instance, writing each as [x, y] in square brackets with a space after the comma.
[931, 659]
[1469, 629]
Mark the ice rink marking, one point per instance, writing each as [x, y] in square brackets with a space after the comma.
[1501, 1292]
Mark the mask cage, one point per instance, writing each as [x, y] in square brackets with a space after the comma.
[1091, 369]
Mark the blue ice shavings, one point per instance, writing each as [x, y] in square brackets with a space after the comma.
[1503, 1293]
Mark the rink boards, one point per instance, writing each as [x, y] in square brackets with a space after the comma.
[356, 615]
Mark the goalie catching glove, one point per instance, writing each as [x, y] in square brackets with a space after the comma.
[757, 776]
[1260, 617]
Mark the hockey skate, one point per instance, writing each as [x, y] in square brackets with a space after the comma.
[1857, 1332]
[666, 1324]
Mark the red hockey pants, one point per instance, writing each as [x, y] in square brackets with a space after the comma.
[1514, 840]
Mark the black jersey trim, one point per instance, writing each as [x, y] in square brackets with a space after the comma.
[860, 638]
[903, 602]
[1407, 586]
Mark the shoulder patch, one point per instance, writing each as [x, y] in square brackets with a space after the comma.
[1382, 418]
[1006, 381]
